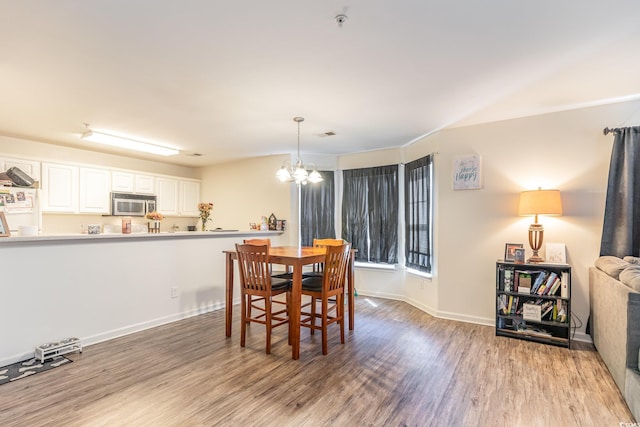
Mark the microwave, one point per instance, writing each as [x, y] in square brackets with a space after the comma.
[127, 204]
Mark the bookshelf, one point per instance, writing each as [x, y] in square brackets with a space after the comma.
[533, 302]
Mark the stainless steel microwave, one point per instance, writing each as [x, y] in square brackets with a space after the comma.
[127, 204]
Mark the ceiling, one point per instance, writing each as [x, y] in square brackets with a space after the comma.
[224, 79]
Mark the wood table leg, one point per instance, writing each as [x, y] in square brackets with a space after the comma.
[229, 294]
[351, 290]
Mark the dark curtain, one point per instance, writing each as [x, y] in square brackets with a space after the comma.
[317, 209]
[370, 213]
[417, 199]
[621, 229]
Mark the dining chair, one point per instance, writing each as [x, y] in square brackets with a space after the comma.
[329, 289]
[318, 268]
[256, 281]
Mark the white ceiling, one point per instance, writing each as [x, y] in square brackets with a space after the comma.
[226, 78]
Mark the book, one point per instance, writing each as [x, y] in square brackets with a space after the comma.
[542, 275]
[564, 287]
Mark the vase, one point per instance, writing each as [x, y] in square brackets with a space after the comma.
[204, 224]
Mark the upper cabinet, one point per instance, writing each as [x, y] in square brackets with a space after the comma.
[189, 198]
[177, 197]
[129, 182]
[94, 190]
[60, 188]
[30, 167]
[167, 203]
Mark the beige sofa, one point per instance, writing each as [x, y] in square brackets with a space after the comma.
[614, 293]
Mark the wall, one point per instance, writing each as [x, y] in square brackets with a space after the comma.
[564, 150]
[244, 191]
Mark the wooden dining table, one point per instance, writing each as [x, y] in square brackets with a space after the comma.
[296, 258]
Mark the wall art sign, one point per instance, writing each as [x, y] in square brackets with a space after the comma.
[467, 172]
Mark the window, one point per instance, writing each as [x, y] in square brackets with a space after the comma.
[370, 213]
[317, 209]
[418, 178]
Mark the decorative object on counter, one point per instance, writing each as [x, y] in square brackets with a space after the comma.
[126, 225]
[154, 225]
[263, 224]
[281, 224]
[93, 229]
[4, 227]
[191, 228]
[205, 212]
[272, 222]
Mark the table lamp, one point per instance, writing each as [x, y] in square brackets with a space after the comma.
[538, 202]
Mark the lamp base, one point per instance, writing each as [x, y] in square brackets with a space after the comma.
[536, 235]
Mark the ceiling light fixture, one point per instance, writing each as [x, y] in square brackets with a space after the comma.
[298, 173]
[128, 143]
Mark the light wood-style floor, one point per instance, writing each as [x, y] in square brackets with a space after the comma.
[400, 367]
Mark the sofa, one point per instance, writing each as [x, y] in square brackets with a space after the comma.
[614, 294]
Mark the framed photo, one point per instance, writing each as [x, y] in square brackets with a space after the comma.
[4, 227]
[510, 251]
[555, 253]
[519, 255]
[467, 172]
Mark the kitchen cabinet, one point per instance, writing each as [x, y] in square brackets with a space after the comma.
[128, 182]
[189, 198]
[30, 167]
[167, 192]
[95, 185]
[60, 188]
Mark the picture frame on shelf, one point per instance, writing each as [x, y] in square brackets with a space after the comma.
[519, 255]
[510, 251]
[4, 227]
[555, 253]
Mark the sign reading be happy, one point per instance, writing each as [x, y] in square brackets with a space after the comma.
[466, 172]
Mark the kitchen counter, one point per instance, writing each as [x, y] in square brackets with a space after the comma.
[80, 238]
[101, 286]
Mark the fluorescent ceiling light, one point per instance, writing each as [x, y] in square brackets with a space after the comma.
[131, 144]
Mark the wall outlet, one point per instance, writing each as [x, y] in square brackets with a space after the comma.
[174, 292]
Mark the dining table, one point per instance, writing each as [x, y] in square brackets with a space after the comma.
[295, 258]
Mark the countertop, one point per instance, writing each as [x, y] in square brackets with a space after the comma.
[80, 238]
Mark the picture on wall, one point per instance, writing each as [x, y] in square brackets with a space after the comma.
[467, 172]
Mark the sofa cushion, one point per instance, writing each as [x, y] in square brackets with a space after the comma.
[632, 259]
[630, 276]
[611, 265]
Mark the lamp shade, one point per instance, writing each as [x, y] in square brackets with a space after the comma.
[540, 202]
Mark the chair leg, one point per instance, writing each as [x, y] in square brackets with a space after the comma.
[325, 307]
[313, 316]
[267, 309]
[340, 312]
[289, 315]
[243, 318]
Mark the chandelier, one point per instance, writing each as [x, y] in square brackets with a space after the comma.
[297, 172]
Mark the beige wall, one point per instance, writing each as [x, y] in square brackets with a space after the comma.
[242, 192]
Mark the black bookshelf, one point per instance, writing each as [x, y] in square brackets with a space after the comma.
[533, 302]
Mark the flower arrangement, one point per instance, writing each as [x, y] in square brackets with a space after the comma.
[156, 216]
[205, 211]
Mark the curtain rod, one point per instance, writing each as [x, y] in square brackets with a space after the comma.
[606, 131]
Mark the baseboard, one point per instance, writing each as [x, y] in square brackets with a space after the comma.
[120, 332]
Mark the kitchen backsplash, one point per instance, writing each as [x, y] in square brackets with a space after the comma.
[74, 224]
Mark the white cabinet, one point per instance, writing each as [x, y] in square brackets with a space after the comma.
[59, 188]
[128, 182]
[121, 182]
[30, 167]
[94, 190]
[167, 203]
[189, 198]
[144, 184]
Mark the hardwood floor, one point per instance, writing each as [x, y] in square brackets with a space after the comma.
[400, 367]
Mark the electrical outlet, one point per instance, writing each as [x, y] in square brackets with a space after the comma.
[174, 292]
